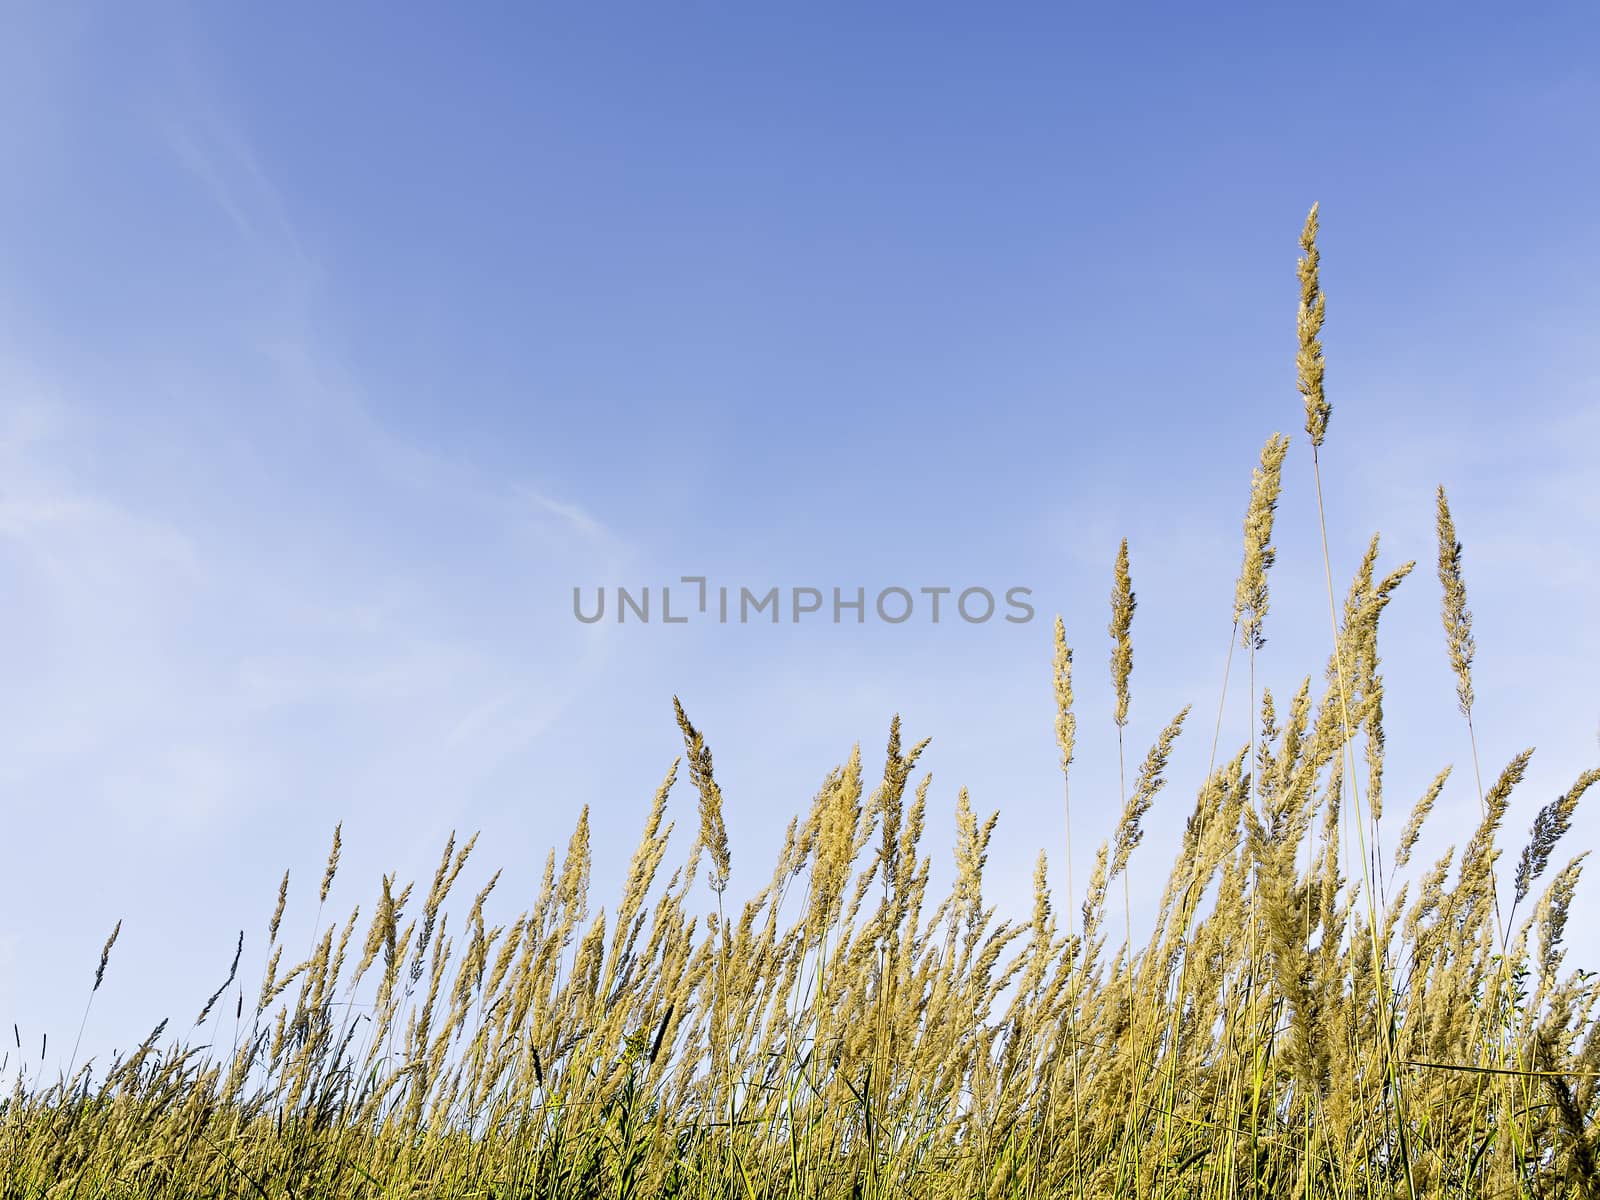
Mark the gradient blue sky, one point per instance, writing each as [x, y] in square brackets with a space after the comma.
[337, 344]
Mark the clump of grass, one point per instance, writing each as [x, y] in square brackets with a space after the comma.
[1303, 1017]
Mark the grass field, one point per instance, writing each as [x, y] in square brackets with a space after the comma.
[1310, 1013]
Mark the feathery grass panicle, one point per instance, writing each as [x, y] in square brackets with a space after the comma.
[1250, 596]
[1122, 606]
[1457, 618]
[333, 864]
[713, 832]
[889, 800]
[105, 957]
[1549, 827]
[233, 972]
[572, 885]
[1152, 777]
[1552, 918]
[972, 847]
[1478, 857]
[1093, 908]
[1309, 364]
[837, 811]
[377, 932]
[1066, 722]
[886, 799]
[382, 938]
[1419, 814]
[277, 912]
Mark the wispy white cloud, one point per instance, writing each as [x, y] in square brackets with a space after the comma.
[219, 157]
[196, 680]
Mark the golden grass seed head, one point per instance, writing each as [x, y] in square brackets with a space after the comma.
[1419, 814]
[713, 831]
[888, 801]
[269, 980]
[1095, 897]
[333, 864]
[1309, 365]
[1041, 897]
[1250, 595]
[969, 856]
[1553, 912]
[1066, 721]
[1457, 617]
[1151, 779]
[277, 913]
[105, 957]
[1123, 604]
[572, 887]
[388, 918]
[835, 842]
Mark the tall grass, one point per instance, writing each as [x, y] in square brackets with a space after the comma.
[1303, 1016]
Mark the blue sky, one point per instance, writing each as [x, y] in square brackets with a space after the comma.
[336, 348]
